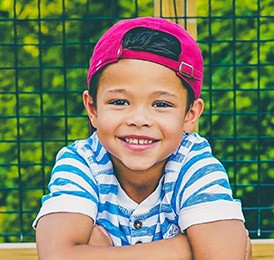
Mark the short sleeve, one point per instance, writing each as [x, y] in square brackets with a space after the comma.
[72, 187]
[205, 194]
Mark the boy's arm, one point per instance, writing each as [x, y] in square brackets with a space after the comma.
[100, 237]
[67, 236]
[225, 239]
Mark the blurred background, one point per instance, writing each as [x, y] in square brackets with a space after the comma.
[45, 47]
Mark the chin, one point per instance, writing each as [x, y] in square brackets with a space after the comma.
[142, 166]
[139, 167]
[136, 165]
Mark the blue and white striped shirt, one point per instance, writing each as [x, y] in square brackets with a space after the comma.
[194, 189]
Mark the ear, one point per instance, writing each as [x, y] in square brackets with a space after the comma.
[193, 114]
[90, 108]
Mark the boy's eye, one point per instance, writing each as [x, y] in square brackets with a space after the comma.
[161, 104]
[119, 102]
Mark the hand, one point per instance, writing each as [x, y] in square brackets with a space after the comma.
[99, 237]
[248, 255]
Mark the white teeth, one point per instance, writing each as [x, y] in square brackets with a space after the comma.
[142, 141]
[138, 141]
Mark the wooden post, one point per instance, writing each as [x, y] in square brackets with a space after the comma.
[179, 11]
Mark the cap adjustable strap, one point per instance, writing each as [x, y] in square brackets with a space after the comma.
[186, 70]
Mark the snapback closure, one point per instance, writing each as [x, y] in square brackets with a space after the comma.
[186, 70]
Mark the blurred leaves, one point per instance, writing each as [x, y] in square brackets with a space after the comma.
[237, 44]
[45, 48]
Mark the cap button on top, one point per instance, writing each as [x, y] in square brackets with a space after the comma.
[138, 224]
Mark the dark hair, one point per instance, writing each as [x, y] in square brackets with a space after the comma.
[156, 42]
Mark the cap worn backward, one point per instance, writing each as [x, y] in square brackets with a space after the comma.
[189, 66]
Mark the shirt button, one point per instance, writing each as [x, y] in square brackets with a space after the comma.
[138, 224]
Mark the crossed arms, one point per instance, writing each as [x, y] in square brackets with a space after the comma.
[73, 236]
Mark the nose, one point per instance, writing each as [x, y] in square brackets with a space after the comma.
[139, 117]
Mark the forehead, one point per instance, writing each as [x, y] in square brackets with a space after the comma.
[133, 73]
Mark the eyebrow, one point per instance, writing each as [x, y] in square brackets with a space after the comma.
[117, 90]
[156, 93]
[164, 93]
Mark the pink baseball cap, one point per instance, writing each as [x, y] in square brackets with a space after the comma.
[189, 66]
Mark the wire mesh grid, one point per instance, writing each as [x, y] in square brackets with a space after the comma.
[45, 48]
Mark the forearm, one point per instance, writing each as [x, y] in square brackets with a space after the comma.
[226, 239]
[57, 239]
[173, 248]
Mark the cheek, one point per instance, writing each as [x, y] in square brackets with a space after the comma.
[173, 123]
[106, 121]
[173, 134]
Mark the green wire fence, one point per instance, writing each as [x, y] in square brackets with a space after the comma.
[45, 47]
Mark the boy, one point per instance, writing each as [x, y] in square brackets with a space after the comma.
[142, 186]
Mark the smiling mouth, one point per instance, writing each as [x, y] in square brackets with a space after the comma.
[138, 141]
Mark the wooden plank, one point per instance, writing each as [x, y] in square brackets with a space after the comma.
[16, 251]
[179, 9]
[18, 254]
[262, 250]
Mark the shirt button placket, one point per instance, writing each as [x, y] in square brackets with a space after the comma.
[137, 224]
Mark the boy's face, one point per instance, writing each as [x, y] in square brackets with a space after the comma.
[140, 113]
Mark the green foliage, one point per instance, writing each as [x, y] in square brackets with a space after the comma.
[238, 53]
[45, 48]
[45, 56]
